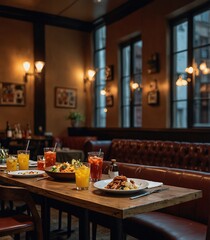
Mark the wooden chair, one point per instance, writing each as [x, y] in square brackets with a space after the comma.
[13, 222]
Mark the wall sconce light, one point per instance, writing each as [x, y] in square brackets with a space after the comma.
[135, 86]
[89, 78]
[38, 69]
[105, 91]
[182, 82]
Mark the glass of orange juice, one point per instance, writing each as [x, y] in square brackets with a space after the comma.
[82, 175]
[50, 156]
[96, 162]
[23, 159]
[11, 163]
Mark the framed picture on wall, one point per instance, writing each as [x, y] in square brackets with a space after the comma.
[12, 94]
[109, 71]
[65, 97]
[110, 101]
[153, 97]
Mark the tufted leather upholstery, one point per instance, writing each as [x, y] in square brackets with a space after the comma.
[182, 155]
[184, 221]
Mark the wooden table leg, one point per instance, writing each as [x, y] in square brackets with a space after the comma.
[117, 230]
[84, 225]
[45, 215]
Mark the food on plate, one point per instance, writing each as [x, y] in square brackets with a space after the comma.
[122, 183]
[28, 173]
[65, 167]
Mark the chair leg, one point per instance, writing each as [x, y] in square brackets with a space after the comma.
[17, 237]
[94, 230]
[69, 225]
[59, 219]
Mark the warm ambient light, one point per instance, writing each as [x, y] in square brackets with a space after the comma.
[91, 74]
[90, 77]
[135, 86]
[39, 66]
[38, 69]
[182, 82]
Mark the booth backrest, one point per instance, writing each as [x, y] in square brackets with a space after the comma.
[183, 155]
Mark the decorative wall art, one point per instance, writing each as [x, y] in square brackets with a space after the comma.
[153, 64]
[109, 73]
[65, 97]
[153, 94]
[12, 94]
[109, 101]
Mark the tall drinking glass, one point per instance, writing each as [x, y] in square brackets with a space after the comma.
[50, 156]
[11, 163]
[82, 176]
[96, 162]
[23, 159]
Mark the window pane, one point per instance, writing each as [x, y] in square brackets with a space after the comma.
[180, 37]
[137, 66]
[138, 116]
[100, 58]
[100, 63]
[126, 118]
[100, 38]
[201, 23]
[126, 91]
[126, 61]
[180, 114]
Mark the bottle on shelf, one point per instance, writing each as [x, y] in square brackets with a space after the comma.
[8, 130]
[28, 131]
[113, 169]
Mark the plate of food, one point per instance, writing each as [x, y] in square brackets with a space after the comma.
[121, 185]
[61, 171]
[26, 173]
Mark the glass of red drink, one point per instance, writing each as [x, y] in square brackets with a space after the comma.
[40, 162]
[96, 162]
[50, 156]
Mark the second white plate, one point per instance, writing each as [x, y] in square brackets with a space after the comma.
[26, 173]
[142, 184]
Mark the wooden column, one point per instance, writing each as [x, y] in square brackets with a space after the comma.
[39, 83]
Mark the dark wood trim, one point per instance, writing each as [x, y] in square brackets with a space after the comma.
[181, 135]
[47, 19]
[50, 19]
[39, 83]
[122, 11]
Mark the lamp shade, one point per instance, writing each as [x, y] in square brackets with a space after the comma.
[39, 66]
[26, 66]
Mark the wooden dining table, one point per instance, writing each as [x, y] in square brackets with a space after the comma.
[84, 204]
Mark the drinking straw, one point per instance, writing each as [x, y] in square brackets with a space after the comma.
[99, 153]
[27, 145]
[55, 147]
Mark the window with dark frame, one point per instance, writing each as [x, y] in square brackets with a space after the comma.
[191, 47]
[100, 79]
[131, 72]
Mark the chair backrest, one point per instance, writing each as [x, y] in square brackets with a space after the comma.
[11, 193]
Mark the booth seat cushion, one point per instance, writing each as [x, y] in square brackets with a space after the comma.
[161, 226]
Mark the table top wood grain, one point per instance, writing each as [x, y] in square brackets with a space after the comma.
[118, 206]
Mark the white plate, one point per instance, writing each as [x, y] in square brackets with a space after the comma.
[26, 173]
[103, 183]
[31, 164]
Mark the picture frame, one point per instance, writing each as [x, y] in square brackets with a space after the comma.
[153, 64]
[153, 97]
[110, 101]
[109, 72]
[12, 94]
[65, 97]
